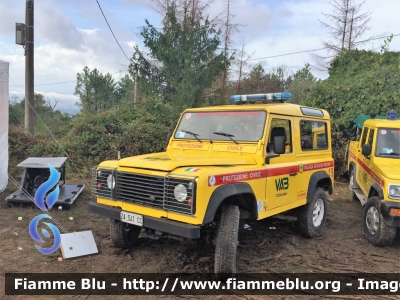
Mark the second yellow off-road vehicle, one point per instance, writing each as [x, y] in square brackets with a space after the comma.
[374, 170]
[253, 159]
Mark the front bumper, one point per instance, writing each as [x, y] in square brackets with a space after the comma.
[163, 225]
[388, 218]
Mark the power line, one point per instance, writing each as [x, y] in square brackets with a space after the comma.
[313, 50]
[112, 31]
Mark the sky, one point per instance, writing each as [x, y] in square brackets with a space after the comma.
[72, 34]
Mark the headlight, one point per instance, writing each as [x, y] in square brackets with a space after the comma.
[180, 193]
[110, 182]
[394, 191]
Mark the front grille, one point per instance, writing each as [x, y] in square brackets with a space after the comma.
[152, 191]
[143, 189]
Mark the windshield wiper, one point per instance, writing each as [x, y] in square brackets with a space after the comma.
[192, 133]
[391, 153]
[227, 135]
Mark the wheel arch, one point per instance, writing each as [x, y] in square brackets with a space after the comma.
[319, 179]
[239, 193]
[375, 190]
[352, 167]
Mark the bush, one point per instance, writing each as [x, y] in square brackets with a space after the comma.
[22, 145]
[132, 130]
[360, 82]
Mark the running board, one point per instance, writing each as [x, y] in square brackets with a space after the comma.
[360, 195]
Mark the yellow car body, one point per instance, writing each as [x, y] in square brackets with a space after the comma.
[252, 157]
[374, 168]
[279, 186]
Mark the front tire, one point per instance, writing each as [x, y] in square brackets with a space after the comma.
[376, 231]
[124, 235]
[311, 217]
[226, 242]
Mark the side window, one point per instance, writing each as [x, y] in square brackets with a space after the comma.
[313, 135]
[371, 136]
[280, 127]
[364, 136]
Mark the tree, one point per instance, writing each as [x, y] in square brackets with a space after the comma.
[182, 61]
[95, 90]
[346, 25]
[258, 81]
[125, 90]
[193, 8]
[241, 64]
[45, 115]
[303, 82]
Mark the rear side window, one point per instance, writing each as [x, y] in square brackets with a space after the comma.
[371, 136]
[313, 135]
[364, 136]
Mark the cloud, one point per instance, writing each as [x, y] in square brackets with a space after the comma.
[70, 35]
[15, 13]
[250, 18]
[53, 26]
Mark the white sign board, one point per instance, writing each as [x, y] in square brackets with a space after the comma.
[78, 244]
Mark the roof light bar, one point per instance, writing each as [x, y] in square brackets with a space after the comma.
[239, 99]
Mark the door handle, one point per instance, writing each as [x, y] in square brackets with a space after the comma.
[293, 174]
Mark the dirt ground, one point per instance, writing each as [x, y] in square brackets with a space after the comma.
[271, 245]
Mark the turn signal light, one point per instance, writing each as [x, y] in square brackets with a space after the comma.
[190, 201]
[395, 211]
[99, 186]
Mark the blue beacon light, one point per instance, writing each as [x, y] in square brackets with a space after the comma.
[279, 97]
[391, 115]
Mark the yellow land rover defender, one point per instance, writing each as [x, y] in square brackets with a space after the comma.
[374, 170]
[250, 160]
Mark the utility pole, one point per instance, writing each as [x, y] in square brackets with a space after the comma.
[29, 69]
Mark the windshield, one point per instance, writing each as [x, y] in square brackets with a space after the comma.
[388, 142]
[231, 126]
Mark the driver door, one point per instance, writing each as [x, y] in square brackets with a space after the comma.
[364, 163]
[281, 171]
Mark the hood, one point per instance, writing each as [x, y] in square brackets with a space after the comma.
[166, 162]
[390, 171]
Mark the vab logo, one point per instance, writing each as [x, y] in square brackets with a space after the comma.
[50, 200]
[282, 183]
[365, 177]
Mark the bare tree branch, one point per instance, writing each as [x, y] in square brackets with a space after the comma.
[346, 25]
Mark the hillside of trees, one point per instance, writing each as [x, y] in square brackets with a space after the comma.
[188, 65]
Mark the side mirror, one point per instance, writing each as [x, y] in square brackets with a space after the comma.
[366, 150]
[279, 144]
[169, 137]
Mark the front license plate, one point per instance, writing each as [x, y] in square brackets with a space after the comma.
[131, 218]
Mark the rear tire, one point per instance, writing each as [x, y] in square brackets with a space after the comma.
[311, 217]
[124, 235]
[376, 231]
[226, 242]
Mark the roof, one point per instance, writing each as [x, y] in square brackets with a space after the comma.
[275, 108]
[42, 162]
[359, 121]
